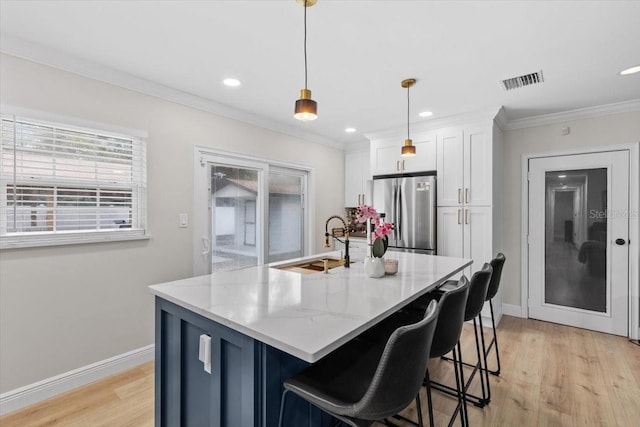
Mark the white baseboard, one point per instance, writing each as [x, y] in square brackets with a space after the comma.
[512, 310]
[33, 393]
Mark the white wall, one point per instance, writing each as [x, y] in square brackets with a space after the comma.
[594, 132]
[65, 307]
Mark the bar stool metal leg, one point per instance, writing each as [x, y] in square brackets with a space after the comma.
[494, 341]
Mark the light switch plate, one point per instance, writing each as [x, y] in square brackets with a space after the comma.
[184, 220]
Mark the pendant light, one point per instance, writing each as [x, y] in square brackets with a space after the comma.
[408, 149]
[306, 108]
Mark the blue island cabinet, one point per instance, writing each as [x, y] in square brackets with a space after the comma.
[244, 387]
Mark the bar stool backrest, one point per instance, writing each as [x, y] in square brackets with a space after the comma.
[478, 287]
[401, 369]
[451, 317]
[497, 263]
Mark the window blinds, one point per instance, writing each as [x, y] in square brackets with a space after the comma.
[58, 180]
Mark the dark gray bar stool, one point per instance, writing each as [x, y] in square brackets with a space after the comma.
[363, 382]
[447, 338]
[479, 284]
[497, 263]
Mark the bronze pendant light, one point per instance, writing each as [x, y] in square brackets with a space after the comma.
[306, 108]
[408, 149]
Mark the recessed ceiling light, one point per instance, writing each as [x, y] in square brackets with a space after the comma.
[562, 176]
[631, 70]
[231, 82]
[350, 130]
[426, 114]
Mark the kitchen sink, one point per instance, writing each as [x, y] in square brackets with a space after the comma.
[312, 266]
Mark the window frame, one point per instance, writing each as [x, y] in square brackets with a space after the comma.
[13, 240]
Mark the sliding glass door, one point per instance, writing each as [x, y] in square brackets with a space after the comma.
[286, 214]
[247, 212]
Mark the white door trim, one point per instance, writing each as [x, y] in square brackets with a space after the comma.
[634, 227]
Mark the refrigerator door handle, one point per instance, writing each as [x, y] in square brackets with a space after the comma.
[400, 211]
[394, 212]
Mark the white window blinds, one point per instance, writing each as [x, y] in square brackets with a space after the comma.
[58, 180]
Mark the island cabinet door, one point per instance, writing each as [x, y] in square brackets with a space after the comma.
[185, 393]
[244, 387]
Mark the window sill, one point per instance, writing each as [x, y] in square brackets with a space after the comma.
[43, 240]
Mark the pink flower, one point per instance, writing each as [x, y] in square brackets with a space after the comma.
[365, 212]
[381, 230]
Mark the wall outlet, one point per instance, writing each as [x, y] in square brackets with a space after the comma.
[184, 220]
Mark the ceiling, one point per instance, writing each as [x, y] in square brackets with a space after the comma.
[358, 53]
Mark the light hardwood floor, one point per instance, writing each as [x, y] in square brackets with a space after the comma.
[552, 375]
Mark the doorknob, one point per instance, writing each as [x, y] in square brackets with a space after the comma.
[620, 242]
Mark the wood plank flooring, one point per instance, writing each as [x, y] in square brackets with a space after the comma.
[552, 375]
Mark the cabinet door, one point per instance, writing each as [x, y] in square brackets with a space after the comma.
[478, 166]
[354, 164]
[478, 236]
[450, 165]
[425, 158]
[450, 228]
[385, 157]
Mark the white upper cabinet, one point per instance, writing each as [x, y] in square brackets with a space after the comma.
[478, 166]
[386, 158]
[450, 167]
[356, 177]
[465, 166]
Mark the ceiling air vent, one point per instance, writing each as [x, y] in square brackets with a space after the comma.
[521, 81]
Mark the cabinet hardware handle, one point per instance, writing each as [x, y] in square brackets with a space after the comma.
[403, 165]
[459, 195]
[397, 165]
[466, 216]
[466, 195]
[459, 221]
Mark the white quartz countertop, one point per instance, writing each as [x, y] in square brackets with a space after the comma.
[308, 315]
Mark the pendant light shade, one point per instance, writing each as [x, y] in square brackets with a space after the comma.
[408, 149]
[306, 108]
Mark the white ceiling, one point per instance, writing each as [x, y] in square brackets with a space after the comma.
[359, 51]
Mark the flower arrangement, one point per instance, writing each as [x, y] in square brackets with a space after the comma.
[379, 239]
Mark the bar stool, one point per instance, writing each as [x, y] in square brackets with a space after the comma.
[497, 263]
[478, 288]
[363, 382]
[447, 339]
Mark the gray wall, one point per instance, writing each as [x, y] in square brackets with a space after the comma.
[65, 307]
[594, 132]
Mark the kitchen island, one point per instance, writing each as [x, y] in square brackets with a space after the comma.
[265, 324]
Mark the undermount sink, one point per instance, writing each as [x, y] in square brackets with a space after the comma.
[313, 266]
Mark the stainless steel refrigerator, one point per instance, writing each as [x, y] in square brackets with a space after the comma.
[409, 202]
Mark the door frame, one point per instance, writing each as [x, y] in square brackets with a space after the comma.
[634, 227]
[203, 154]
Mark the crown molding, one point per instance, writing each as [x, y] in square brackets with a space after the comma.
[487, 115]
[40, 54]
[579, 114]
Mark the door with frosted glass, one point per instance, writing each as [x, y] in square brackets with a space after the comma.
[578, 240]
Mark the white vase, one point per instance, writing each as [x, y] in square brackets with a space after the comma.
[374, 267]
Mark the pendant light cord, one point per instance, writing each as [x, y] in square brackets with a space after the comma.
[305, 44]
[408, 87]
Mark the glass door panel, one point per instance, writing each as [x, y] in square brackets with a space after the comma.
[576, 239]
[286, 215]
[234, 195]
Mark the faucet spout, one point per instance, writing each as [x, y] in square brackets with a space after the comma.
[342, 232]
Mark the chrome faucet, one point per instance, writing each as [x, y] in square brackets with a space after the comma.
[336, 233]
